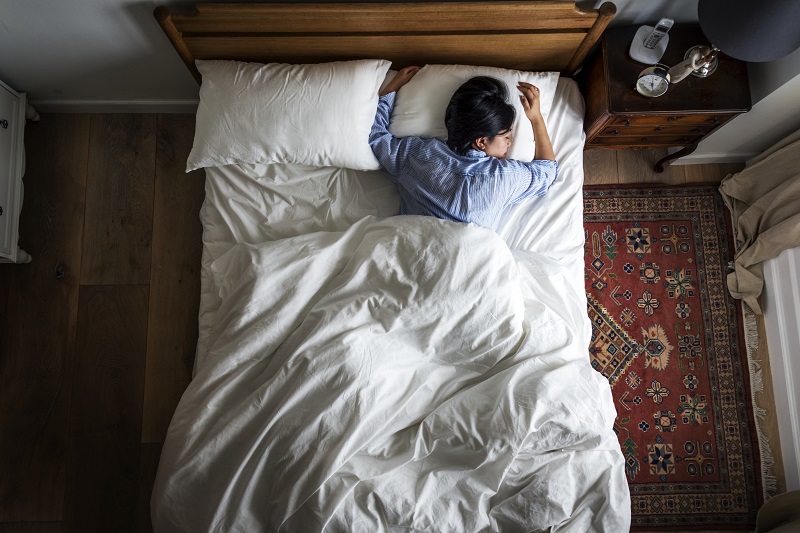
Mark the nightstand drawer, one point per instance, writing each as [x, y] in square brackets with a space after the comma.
[710, 121]
[632, 141]
[656, 129]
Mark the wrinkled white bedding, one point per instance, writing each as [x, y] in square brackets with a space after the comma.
[259, 203]
[408, 373]
[362, 373]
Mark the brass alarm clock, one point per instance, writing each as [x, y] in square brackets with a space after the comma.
[653, 81]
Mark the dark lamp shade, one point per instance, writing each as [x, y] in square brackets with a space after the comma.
[751, 30]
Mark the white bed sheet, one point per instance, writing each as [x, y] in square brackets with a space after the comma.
[258, 203]
[282, 240]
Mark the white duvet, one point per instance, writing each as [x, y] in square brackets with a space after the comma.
[358, 371]
[408, 374]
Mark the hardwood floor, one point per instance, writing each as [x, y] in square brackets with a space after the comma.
[98, 332]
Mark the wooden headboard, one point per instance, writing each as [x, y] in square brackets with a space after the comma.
[532, 35]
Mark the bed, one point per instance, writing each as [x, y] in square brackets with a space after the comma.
[359, 370]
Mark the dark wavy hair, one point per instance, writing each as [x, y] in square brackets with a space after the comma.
[479, 108]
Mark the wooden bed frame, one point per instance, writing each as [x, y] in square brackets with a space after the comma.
[534, 35]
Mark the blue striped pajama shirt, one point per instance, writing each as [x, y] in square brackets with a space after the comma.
[433, 180]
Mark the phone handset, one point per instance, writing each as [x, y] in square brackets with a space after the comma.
[659, 32]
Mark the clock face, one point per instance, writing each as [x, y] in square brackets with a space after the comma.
[651, 85]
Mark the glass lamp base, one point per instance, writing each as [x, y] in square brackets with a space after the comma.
[709, 65]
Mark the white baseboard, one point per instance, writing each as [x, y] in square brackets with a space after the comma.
[702, 159]
[116, 106]
[781, 299]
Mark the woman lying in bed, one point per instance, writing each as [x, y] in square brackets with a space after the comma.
[467, 179]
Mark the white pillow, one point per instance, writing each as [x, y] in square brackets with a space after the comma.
[318, 115]
[420, 105]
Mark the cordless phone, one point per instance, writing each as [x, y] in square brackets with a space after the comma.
[658, 33]
[650, 42]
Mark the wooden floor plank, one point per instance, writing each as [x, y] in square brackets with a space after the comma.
[600, 167]
[711, 173]
[175, 276]
[148, 467]
[42, 307]
[119, 208]
[31, 527]
[102, 483]
[636, 166]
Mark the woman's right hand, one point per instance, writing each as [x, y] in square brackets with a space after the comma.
[530, 101]
[402, 77]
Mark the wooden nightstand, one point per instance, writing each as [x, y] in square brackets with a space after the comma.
[619, 117]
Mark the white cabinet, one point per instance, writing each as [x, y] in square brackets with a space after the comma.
[12, 166]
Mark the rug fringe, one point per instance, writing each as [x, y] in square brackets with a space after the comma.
[769, 479]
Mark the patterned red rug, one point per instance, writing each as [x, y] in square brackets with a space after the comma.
[669, 338]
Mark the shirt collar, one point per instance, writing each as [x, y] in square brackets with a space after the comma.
[471, 152]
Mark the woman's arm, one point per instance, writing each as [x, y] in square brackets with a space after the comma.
[390, 151]
[402, 77]
[530, 102]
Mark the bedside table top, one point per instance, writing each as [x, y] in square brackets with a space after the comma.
[727, 89]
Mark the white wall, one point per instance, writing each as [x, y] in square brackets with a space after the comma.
[81, 55]
[772, 118]
[638, 12]
[767, 77]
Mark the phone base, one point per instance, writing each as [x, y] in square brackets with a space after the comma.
[648, 56]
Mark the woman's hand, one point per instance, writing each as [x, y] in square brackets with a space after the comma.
[402, 77]
[530, 101]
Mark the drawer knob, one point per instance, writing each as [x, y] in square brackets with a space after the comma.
[645, 139]
[672, 118]
[628, 122]
[715, 120]
[659, 128]
[4, 124]
[616, 132]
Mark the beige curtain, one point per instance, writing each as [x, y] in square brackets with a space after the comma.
[780, 515]
[765, 201]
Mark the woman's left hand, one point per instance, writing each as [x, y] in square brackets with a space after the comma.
[402, 77]
[530, 101]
